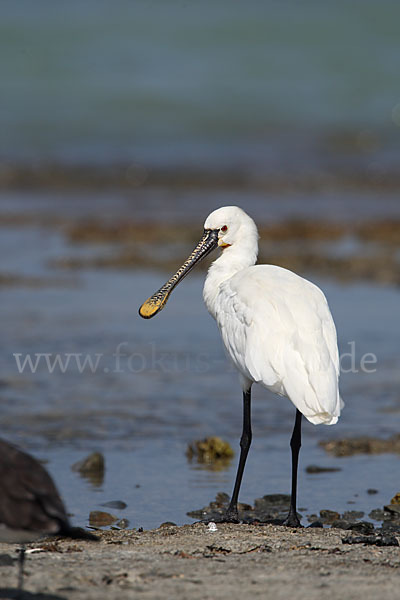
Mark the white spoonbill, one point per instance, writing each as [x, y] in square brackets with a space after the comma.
[276, 327]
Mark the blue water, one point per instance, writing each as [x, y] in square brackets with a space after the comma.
[206, 83]
[266, 88]
[172, 385]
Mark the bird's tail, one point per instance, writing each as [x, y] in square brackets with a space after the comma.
[77, 533]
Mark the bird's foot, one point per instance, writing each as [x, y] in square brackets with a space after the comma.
[292, 520]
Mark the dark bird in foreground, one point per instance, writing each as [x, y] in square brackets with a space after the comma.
[30, 505]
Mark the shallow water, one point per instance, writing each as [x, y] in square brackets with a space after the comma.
[172, 385]
[260, 90]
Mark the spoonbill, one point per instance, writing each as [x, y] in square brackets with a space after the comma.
[30, 505]
[276, 327]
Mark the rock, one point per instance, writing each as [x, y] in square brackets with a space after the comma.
[390, 526]
[98, 518]
[272, 500]
[377, 514]
[362, 445]
[387, 540]
[316, 469]
[353, 515]
[312, 518]
[372, 491]
[214, 510]
[272, 506]
[168, 524]
[395, 499]
[93, 462]
[221, 501]
[211, 451]
[340, 524]
[394, 509]
[199, 513]
[92, 468]
[118, 504]
[372, 540]
[222, 498]
[122, 523]
[363, 527]
[244, 506]
[315, 524]
[328, 516]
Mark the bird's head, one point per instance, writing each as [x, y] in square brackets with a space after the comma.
[232, 225]
[224, 227]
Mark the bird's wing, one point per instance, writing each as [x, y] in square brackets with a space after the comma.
[279, 332]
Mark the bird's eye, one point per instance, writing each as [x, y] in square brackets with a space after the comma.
[224, 228]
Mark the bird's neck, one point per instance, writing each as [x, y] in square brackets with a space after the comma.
[232, 260]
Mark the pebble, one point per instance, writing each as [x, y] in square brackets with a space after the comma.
[377, 514]
[312, 518]
[315, 524]
[390, 527]
[328, 516]
[395, 499]
[353, 515]
[340, 524]
[98, 518]
[94, 462]
[362, 445]
[92, 468]
[118, 504]
[210, 450]
[393, 508]
[363, 527]
[122, 523]
[222, 498]
[316, 469]
[371, 540]
[273, 500]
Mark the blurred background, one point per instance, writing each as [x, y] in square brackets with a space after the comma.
[123, 124]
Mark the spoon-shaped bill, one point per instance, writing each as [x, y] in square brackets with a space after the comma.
[158, 300]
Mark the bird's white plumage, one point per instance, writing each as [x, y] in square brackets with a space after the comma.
[276, 326]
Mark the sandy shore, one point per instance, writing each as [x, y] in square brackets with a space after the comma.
[236, 561]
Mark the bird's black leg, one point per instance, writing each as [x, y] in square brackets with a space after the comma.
[292, 519]
[245, 441]
[21, 560]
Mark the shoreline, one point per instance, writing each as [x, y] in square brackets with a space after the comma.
[191, 561]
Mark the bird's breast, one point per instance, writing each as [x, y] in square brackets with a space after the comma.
[231, 320]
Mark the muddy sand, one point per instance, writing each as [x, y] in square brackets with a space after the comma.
[236, 561]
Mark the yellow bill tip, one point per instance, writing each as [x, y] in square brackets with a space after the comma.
[152, 306]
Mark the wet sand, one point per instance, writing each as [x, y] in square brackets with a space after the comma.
[236, 561]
